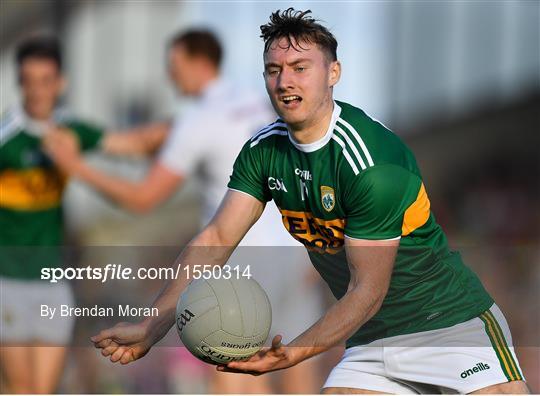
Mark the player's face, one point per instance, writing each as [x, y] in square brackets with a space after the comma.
[41, 85]
[299, 82]
[183, 71]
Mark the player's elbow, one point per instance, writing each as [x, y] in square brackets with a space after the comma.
[140, 204]
[376, 299]
[379, 296]
[210, 236]
[375, 302]
[370, 295]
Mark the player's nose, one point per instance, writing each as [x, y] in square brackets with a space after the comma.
[285, 81]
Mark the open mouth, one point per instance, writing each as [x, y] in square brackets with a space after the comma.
[291, 99]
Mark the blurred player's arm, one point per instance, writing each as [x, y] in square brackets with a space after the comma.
[142, 140]
[370, 263]
[125, 343]
[137, 196]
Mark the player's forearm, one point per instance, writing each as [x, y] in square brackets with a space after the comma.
[125, 193]
[137, 141]
[206, 247]
[340, 322]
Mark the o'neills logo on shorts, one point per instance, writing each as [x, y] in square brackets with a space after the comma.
[479, 367]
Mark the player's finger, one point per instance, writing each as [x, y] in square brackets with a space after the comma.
[247, 366]
[109, 350]
[107, 333]
[117, 355]
[127, 357]
[276, 342]
[52, 137]
[103, 344]
[47, 143]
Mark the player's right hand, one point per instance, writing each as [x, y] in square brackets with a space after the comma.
[62, 146]
[124, 343]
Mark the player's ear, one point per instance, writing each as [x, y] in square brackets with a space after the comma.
[335, 73]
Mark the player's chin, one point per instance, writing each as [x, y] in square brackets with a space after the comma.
[291, 118]
[289, 110]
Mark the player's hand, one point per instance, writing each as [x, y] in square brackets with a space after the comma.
[276, 357]
[124, 342]
[62, 146]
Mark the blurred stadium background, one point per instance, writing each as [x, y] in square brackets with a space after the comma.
[459, 81]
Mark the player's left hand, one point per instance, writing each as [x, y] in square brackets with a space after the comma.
[276, 357]
[62, 146]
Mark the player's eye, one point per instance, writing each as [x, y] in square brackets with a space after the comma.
[272, 72]
[299, 69]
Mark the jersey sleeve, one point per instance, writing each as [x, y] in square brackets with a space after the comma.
[89, 135]
[248, 174]
[377, 201]
[185, 146]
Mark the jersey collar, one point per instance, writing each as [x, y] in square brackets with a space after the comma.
[216, 89]
[35, 127]
[314, 146]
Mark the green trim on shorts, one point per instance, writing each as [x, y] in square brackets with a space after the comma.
[499, 344]
[513, 362]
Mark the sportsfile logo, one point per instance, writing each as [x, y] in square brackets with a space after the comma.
[476, 369]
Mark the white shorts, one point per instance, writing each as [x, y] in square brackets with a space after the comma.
[458, 359]
[20, 312]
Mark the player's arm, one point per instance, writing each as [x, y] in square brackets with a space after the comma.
[237, 213]
[137, 196]
[139, 141]
[370, 263]
[142, 140]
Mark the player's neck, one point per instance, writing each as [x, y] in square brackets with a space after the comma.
[37, 116]
[209, 78]
[316, 129]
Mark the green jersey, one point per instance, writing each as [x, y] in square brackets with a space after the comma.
[360, 181]
[31, 194]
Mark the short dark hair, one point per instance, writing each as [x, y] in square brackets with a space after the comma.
[43, 47]
[199, 43]
[297, 27]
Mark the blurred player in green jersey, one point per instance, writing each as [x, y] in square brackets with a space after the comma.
[414, 317]
[31, 221]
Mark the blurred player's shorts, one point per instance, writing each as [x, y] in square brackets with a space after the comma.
[23, 319]
[458, 359]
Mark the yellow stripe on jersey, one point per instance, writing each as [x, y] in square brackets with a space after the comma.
[319, 234]
[31, 189]
[417, 214]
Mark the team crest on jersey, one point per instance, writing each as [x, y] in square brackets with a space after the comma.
[328, 198]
